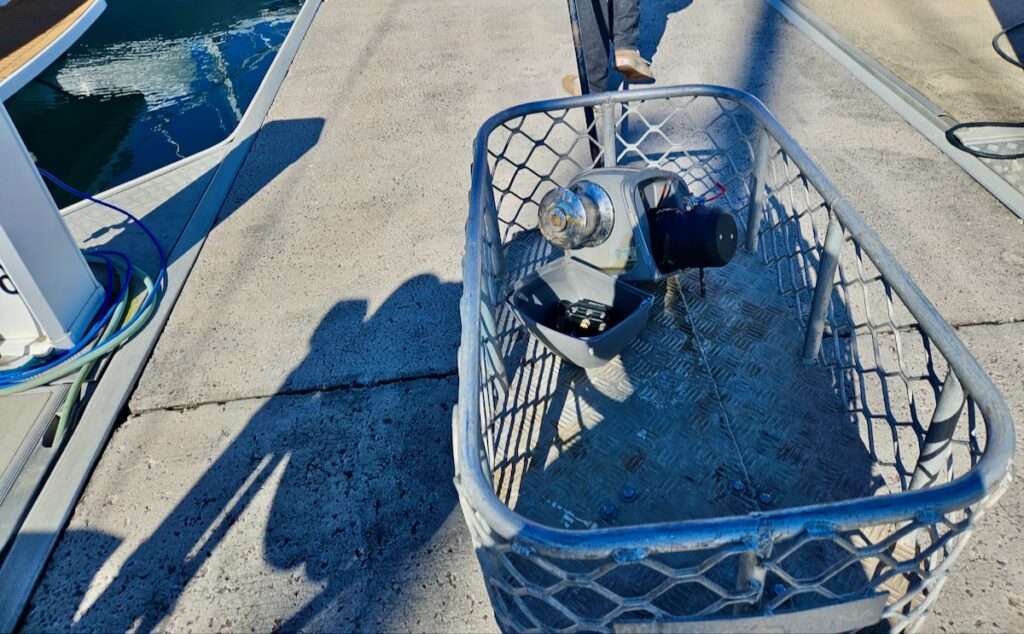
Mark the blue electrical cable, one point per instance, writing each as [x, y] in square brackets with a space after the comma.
[161, 277]
[21, 375]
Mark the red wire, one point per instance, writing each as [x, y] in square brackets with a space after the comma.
[721, 192]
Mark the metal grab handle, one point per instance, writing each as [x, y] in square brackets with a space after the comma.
[823, 288]
[936, 450]
[758, 191]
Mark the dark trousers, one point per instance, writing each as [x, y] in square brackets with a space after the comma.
[603, 22]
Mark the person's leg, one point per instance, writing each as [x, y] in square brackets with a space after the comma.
[596, 37]
[625, 23]
[625, 29]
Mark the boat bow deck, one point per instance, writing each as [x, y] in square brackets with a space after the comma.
[34, 33]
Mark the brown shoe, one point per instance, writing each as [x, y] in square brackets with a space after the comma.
[633, 67]
[571, 85]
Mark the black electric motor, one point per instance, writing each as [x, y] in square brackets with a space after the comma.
[701, 237]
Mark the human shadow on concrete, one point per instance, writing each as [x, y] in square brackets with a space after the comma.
[361, 479]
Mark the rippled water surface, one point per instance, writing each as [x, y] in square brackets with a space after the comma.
[151, 82]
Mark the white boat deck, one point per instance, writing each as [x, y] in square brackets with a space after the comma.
[33, 33]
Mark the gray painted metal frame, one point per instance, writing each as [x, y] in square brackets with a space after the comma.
[915, 108]
[42, 527]
[499, 533]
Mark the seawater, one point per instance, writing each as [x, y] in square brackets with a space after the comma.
[153, 81]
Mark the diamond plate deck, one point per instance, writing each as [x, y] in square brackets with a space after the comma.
[709, 412]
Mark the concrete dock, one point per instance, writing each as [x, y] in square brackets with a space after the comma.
[955, 65]
[285, 462]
